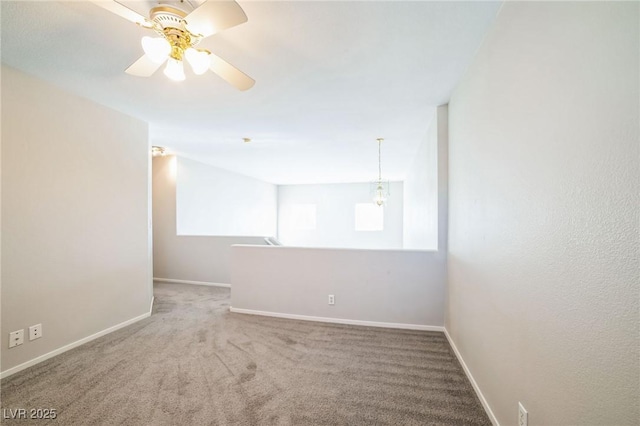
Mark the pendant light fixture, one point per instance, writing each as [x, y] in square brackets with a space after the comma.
[381, 188]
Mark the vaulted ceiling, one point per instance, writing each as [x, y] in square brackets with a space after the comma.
[331, 77]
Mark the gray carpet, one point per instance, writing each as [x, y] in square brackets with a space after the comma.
[194, 363]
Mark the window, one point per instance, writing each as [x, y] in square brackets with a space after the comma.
[303, 217]
[369, 217]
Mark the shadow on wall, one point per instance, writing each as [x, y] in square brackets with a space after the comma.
[197, 258]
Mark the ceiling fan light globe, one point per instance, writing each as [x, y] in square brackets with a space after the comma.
[174, 70]
[157, 49]
[198, 59]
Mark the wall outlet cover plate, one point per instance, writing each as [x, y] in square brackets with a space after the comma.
[523, 415]
[16, 338]
[35, 332]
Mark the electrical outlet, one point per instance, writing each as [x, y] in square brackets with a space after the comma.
[16, 338]
[523, 415]
[35, 332]
[332, 299]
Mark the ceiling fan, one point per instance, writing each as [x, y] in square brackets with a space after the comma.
[179, 33]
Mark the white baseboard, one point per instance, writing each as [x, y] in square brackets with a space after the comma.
[8, 372]
[339, 320]
[476, 388]
[170, 280]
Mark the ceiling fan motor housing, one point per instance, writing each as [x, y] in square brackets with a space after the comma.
[167, 16]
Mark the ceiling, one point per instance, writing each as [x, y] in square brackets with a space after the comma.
[331, 77]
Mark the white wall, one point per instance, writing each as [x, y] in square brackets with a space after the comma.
[425, 189]
[397, 287]
[335, 204]
[212, 201]
[75, 248]
[187, 258]
[544, 172]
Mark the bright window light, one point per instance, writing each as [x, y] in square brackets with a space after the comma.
[303, 217]
[369, 217]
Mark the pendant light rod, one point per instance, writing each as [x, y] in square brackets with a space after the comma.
[379, 160]
[381, 191]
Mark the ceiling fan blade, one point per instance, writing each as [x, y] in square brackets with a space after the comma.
[231, 74]
[123, 11]
[214, 16]
[143, 67]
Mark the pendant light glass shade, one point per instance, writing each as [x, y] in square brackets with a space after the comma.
[157, 49]
[380, 196]
[174, 70]
[198, 59]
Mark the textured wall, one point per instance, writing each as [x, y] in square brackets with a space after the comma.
[75, 237]
[425, 189]
[391, 286]
[420, 229]
[543, 261]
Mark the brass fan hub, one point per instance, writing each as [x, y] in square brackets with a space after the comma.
[180, 40]
[169, 22]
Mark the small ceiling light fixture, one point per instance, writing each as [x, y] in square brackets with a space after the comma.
[380, 188]
[246, 140]
[158, 151]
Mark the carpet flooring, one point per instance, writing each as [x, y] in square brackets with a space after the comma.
[195, 363]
